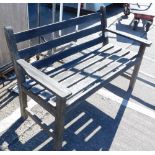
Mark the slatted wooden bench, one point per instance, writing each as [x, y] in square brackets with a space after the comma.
[90, 64]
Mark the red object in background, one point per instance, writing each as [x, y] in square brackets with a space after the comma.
[140, 13]
[141, 16]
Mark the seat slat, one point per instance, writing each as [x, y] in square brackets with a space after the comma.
[46, 95]
[32, 33]
[61, 55]
[78, 68]
[36, 89]
[96, 65]
[29, 83]
[75, 100]
[80, 59]
[31, 51]
[100, 73]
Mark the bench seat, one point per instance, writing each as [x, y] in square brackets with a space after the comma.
[90, 70]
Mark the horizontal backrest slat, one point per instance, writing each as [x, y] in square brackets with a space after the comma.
[31, 51]
[22, 36]
[61, 55]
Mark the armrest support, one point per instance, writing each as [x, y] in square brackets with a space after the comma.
[130, 36]
[44, 80]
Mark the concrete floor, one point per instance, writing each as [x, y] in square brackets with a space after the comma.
[118, 121]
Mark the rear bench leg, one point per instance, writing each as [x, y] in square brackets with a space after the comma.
[11, 42]
[137, 66]
[104, 25]
[59, 123]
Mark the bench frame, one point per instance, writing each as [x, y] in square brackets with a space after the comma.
[22, 68]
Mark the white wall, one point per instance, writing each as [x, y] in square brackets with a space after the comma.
[14, 15]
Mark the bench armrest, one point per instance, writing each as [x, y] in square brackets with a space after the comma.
[44, 80]
[130, 36]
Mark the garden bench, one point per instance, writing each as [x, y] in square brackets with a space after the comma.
[91, 64]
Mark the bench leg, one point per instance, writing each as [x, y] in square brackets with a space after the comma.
[10, 37]
[134, 76]
[59, 124]
[22, 96]
[137, 66]
[23, 102]
[104, 25]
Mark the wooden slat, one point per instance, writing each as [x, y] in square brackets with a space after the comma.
[31, 51]
[86, 64]
[40, 91]
[61, 55]
[98, 72]
[46, 95]
[22, 36]
[91, 73]
[39, 122]
[37, 88]
[29, 83]
[80, 75]
[80, 59]
[130, 36]
[101, 83]
[45, 81]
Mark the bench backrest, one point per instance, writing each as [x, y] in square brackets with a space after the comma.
[14, 38]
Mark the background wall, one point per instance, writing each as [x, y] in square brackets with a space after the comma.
[14, 15]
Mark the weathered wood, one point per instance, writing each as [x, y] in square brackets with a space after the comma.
[104, 25]
[59, 123]
[45, 81]
[80, 59]
[29, 83]
[75, 101]
[20, 74]
[61, 55]
[37, 88]
[11, 43]
[31, 51]
[43, 103]
[130, 36]
[22, 36]
[22, 95]
[101, 71]
[137, 66]
[46, 95]
[86, 70]
[88, 66]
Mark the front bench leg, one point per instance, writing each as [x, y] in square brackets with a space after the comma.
[23, 102]
[59, 123]
[22, 95]
[137, 66]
